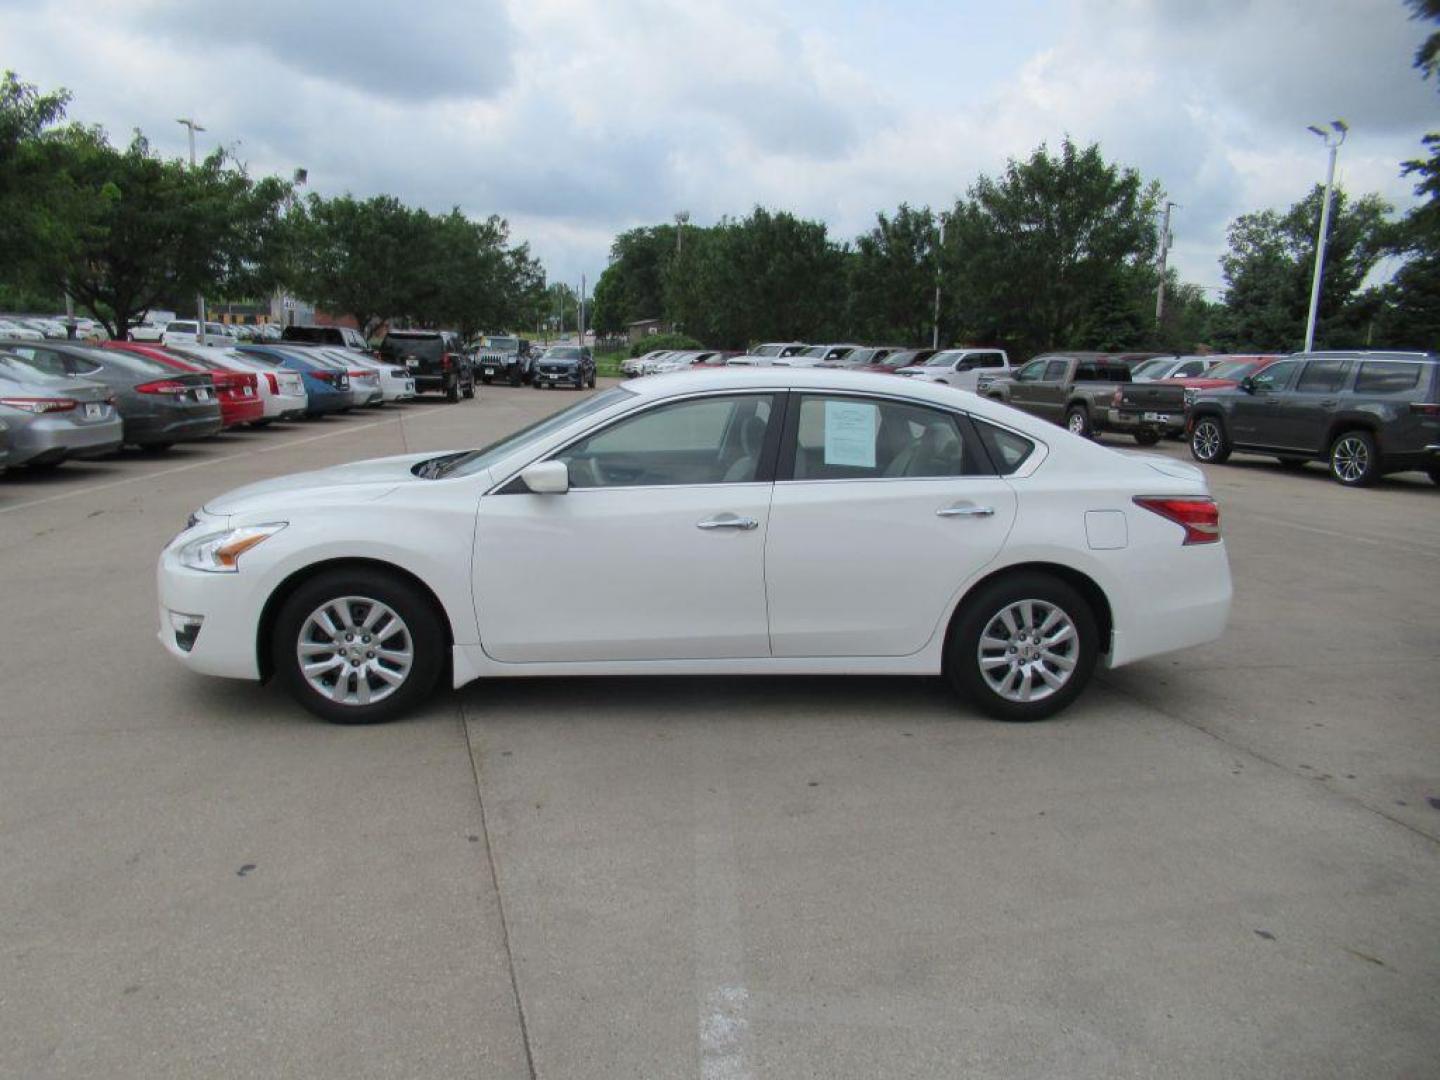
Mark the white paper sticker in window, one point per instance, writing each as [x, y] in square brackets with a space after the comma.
[850, 429]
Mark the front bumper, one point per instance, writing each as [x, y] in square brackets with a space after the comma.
[229, 614]
[568, 378]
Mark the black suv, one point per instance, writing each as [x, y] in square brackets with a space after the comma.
[1365, 413]
[435, 357]
[565, 365]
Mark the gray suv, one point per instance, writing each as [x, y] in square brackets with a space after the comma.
[1365, 414]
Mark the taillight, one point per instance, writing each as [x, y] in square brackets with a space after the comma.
[1115, 398]
[274, 384]
[324, 376]
[445, 361]
[162, 386]
[1200, 518]
[358, 374]
[40, 404]
[1425, 408]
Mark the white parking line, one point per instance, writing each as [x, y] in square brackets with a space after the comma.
[347, 430]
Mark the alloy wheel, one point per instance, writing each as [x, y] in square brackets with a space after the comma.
[1028, 650]
[1206, 440]
[355, 650]
[1350, 459]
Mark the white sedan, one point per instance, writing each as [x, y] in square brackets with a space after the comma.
[788, 505]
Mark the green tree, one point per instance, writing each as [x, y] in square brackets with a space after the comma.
[632, 286]
[892, 278]
[1270, 263]
[768, 276]
[1055, 252]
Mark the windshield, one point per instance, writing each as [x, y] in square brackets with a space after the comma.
[942, 359]
[503, 344]
[1152, 367]
[28, 369]
[468, 464]
[426, 347]
[768, 350]
[563, 352]
[899, 359]
[1233, 369]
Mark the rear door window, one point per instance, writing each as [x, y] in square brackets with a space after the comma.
[855, 438]
[1323, 376]
[1387, 377]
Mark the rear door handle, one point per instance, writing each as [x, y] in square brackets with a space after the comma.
[966, 511]
[1328, 404]
[728, 521]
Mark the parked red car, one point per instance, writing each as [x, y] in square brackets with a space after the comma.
[236, 391]
[1225, 374]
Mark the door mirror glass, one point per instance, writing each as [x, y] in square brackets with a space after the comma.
[547, 477]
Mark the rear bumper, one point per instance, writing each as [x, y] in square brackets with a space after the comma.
[48, 439]
[434, 383]
[1169, 423]
[241, 412]
[162, 428]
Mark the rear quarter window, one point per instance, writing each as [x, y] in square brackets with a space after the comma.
[1008, 451]
[1387, 377]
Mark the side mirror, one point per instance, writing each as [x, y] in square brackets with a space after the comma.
[1247, 384]
[547, 478]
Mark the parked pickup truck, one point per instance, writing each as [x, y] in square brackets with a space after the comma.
[1152, 410]
[1073, 389]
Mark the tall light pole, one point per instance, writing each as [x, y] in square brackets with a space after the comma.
[580, 320]
[1165, 239]
[935, 325]
[1332, 139]
[192, 126]
[682, 218]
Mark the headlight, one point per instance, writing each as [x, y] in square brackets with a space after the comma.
[219, 552]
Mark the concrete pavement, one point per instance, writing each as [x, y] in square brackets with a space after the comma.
[1218, 864]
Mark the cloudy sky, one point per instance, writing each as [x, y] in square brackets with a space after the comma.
[576, 120]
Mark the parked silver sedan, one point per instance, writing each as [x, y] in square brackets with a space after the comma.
[51, 418]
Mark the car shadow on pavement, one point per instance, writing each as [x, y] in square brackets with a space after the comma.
[672, 697]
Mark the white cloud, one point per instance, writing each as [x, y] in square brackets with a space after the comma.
[575, 120]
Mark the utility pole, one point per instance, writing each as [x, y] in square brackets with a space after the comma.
[1165, 240]
[580, 320]
[935, 326]
[1332, 140]
[200, 336]
[681, 219]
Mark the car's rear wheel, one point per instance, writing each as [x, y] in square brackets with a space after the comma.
[1209, 444]
[1077, 421]
[485, 379]
[1354, 459]
[1147, 438]
[358, 646]
[1024, 646]
[470, 389]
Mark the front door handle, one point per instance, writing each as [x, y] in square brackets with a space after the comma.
[728, 521]
[966, 511]
[1328, 404]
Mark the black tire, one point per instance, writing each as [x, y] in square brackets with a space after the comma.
[469, 390]
[1354, 459]
[261, 423]
[1147, 438]
[452, 392]
[427, 639]
[1434, 474]
[977, 612]
[1077, 421]
[1292, 464]
[1209, 443]
[486, 379]
[516, 379]
[157, 447]
[591, 383]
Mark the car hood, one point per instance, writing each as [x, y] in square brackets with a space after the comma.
[359, 481]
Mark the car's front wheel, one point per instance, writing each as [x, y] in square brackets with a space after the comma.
[1024, 647]
[358, 646]
[470, 388]
[1209, 444]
